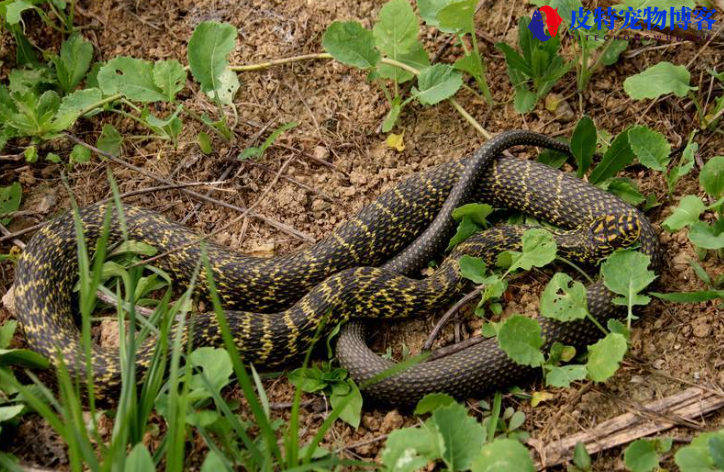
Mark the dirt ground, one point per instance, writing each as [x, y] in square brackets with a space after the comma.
[340, 116]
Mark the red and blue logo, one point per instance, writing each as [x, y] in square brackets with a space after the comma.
[552, 22]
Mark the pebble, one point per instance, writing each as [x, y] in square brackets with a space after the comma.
[658, 364]
[392, 420]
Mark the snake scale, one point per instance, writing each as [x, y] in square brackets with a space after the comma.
[275, 305]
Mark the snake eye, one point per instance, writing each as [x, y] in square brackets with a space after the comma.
[616, 231]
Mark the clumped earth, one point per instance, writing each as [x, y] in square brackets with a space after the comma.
[340, 115]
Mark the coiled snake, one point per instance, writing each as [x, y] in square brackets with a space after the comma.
[339, 275]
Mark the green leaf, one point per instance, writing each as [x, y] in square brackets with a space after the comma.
[110, 140]
[564, 376]
[624, 188]
[462, 435]
[433, 401]
[396, 31]
[563, 299]
[74, 61]
[686, 214]
[410, 449]
[226, 87]
[507, 455]
[660, 79]
[697, 457]
[690, 297]
[539, 249]
[429, 10]
[552, 158]
[213, 462]
[684, 167]
[170, 77]
[437, 83]
[80, 154]
[616, 158]
[352, 412]
[581, 458]
[23, 357]
[473, 64]
[478, 213]
[524, 100]
[204, 141]
[74, 105]
[216, 365]
[626, 273]
[259, 151]
[9, 412]
[466, 228]
[651, 147]
[583, 143]
[416, 58]
[711, 177]
[351, 44]
[10, 198]
[641, 456]
[392, 115]
[520, 338]
[140, 459]
[605, 356]
[7, 331]
[457, 17]
[132, 78]
[472, 268]
[308, 380]
[209, 47]
[13, 11]
[705, 236]
[31, 154]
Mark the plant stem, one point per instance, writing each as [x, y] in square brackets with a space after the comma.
[100, 103]
[391, 62]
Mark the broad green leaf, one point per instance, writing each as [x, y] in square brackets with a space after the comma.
[392, 115]
[74, 105]
[473, 64]
[462, 435]
[697, 457]
[170, 77]
[641, 456]
[539, 249]
[410, 449]
[524, 100]
[31, 154]
[520, 338]
[132, 78]
[472, 268]
[478, 212]
[466, 228]
[690, 297]
[10, 198]
[437, 83]
[9, 412]
[626, 274]
[13, 11]
[564, 299]
[503, 455]
[515, 61]
[351, 44]
[429, 10]
[416, 58]
[605, 356]
[396, 31]
[624, 188]
[433, 401]
[140, 459]
[216, 365]
[80, 154]
[564, 376]
[705, 236]
[110, 140]
[684, 166]
[616, 158]
[213, 463]
[351, 414]
[7, 331]
[457, 17]
[204, 141]
[583, 144]
[74, 61]
[208, 50]
[651, 147]
[686, 214]
[712, 176]
[552, 158]
[308, 380]
[581, 458]
[660, 79]
[226, 87]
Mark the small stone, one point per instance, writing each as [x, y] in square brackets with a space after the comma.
[320, 205]
[371, 423]
[392, 420]
[658, 364]
[8, 300]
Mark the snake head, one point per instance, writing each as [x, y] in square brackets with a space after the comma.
[615, 231]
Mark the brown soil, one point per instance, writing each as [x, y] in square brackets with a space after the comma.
[340, 116]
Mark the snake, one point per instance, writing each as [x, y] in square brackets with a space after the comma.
[276, 307]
